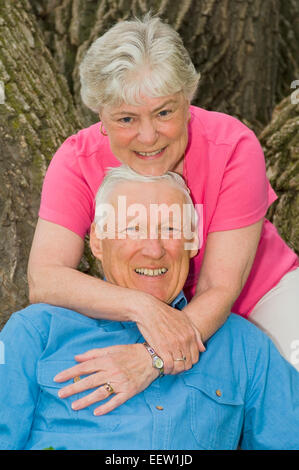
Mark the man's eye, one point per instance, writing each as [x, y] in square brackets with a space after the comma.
[169, 228]
[133, 229]
[173, 227]
[171, 231]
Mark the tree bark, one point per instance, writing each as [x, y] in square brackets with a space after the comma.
[37, 115]
[246, 51]
[280, 140]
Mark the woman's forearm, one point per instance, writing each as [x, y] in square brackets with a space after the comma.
[209, 310]
[169, 332]
[227, 262]
[93, 297]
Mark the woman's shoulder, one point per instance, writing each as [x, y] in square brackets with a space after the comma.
[218, 127]
[84, 143]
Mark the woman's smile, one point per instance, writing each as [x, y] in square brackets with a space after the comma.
[151, 155]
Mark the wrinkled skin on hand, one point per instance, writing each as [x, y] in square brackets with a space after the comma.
[128, 368]
[171, 333]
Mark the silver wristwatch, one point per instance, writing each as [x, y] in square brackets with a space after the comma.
[157, 361]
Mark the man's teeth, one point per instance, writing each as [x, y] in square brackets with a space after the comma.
[151, 272]
[150, 154]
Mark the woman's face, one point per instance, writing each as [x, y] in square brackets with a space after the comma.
[152, 137]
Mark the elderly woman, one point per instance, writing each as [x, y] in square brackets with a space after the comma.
[140, 80]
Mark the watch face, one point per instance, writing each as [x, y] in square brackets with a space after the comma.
[158, 362]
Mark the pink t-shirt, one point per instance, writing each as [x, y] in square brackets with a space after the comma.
[225, 170]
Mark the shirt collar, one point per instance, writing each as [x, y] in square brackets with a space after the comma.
[180, 301]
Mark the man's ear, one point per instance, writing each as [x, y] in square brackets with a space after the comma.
[96, 244]
[193, 245]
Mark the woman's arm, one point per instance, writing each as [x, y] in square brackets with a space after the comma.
[227, 262]
[54, 279]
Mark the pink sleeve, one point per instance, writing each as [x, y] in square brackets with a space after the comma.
[66, 198]
[245, 192]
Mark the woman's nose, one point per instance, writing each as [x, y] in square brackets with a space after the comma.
[147, 133]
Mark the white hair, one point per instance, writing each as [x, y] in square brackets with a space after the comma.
[134, 58]
[124, 173]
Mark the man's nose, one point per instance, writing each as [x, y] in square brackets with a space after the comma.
[147, 132]
[153, 248]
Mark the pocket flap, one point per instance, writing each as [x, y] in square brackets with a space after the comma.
[47, 369]
[223, 392]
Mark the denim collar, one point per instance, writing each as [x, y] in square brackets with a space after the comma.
[180, 301]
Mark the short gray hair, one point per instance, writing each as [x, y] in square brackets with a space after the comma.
[134, 58]
[124, 173]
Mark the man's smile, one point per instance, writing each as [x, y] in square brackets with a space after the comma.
[151, 272]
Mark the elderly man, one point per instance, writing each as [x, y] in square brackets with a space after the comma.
[241, 392]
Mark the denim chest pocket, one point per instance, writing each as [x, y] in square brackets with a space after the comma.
[55, 413]
[217, 411]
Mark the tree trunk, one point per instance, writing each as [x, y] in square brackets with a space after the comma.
[280, 140]
[36, 116]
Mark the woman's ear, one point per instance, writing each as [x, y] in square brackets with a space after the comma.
[95, 241]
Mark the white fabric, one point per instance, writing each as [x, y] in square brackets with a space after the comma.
[277, 314]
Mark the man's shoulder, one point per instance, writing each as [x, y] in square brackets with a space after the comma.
[239, 340]
[241, 329]
[237, 321]
[39, 310]
[37, 317]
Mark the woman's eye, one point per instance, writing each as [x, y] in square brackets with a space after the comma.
[126, 120]
[164, 113]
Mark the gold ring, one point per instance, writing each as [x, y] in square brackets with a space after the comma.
[181, 359]
[108, 387]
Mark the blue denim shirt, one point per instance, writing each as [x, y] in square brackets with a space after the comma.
[241, 390]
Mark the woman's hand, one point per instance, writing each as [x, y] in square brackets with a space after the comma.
[128, 368]
[169, 331]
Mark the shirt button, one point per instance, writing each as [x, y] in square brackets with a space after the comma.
[159, 407]
[218, 393]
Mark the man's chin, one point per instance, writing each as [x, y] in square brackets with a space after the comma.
[162, 295]
[159, 295]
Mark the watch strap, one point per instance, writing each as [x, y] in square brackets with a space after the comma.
[154, 358]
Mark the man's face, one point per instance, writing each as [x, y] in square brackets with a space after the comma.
[146, 250]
